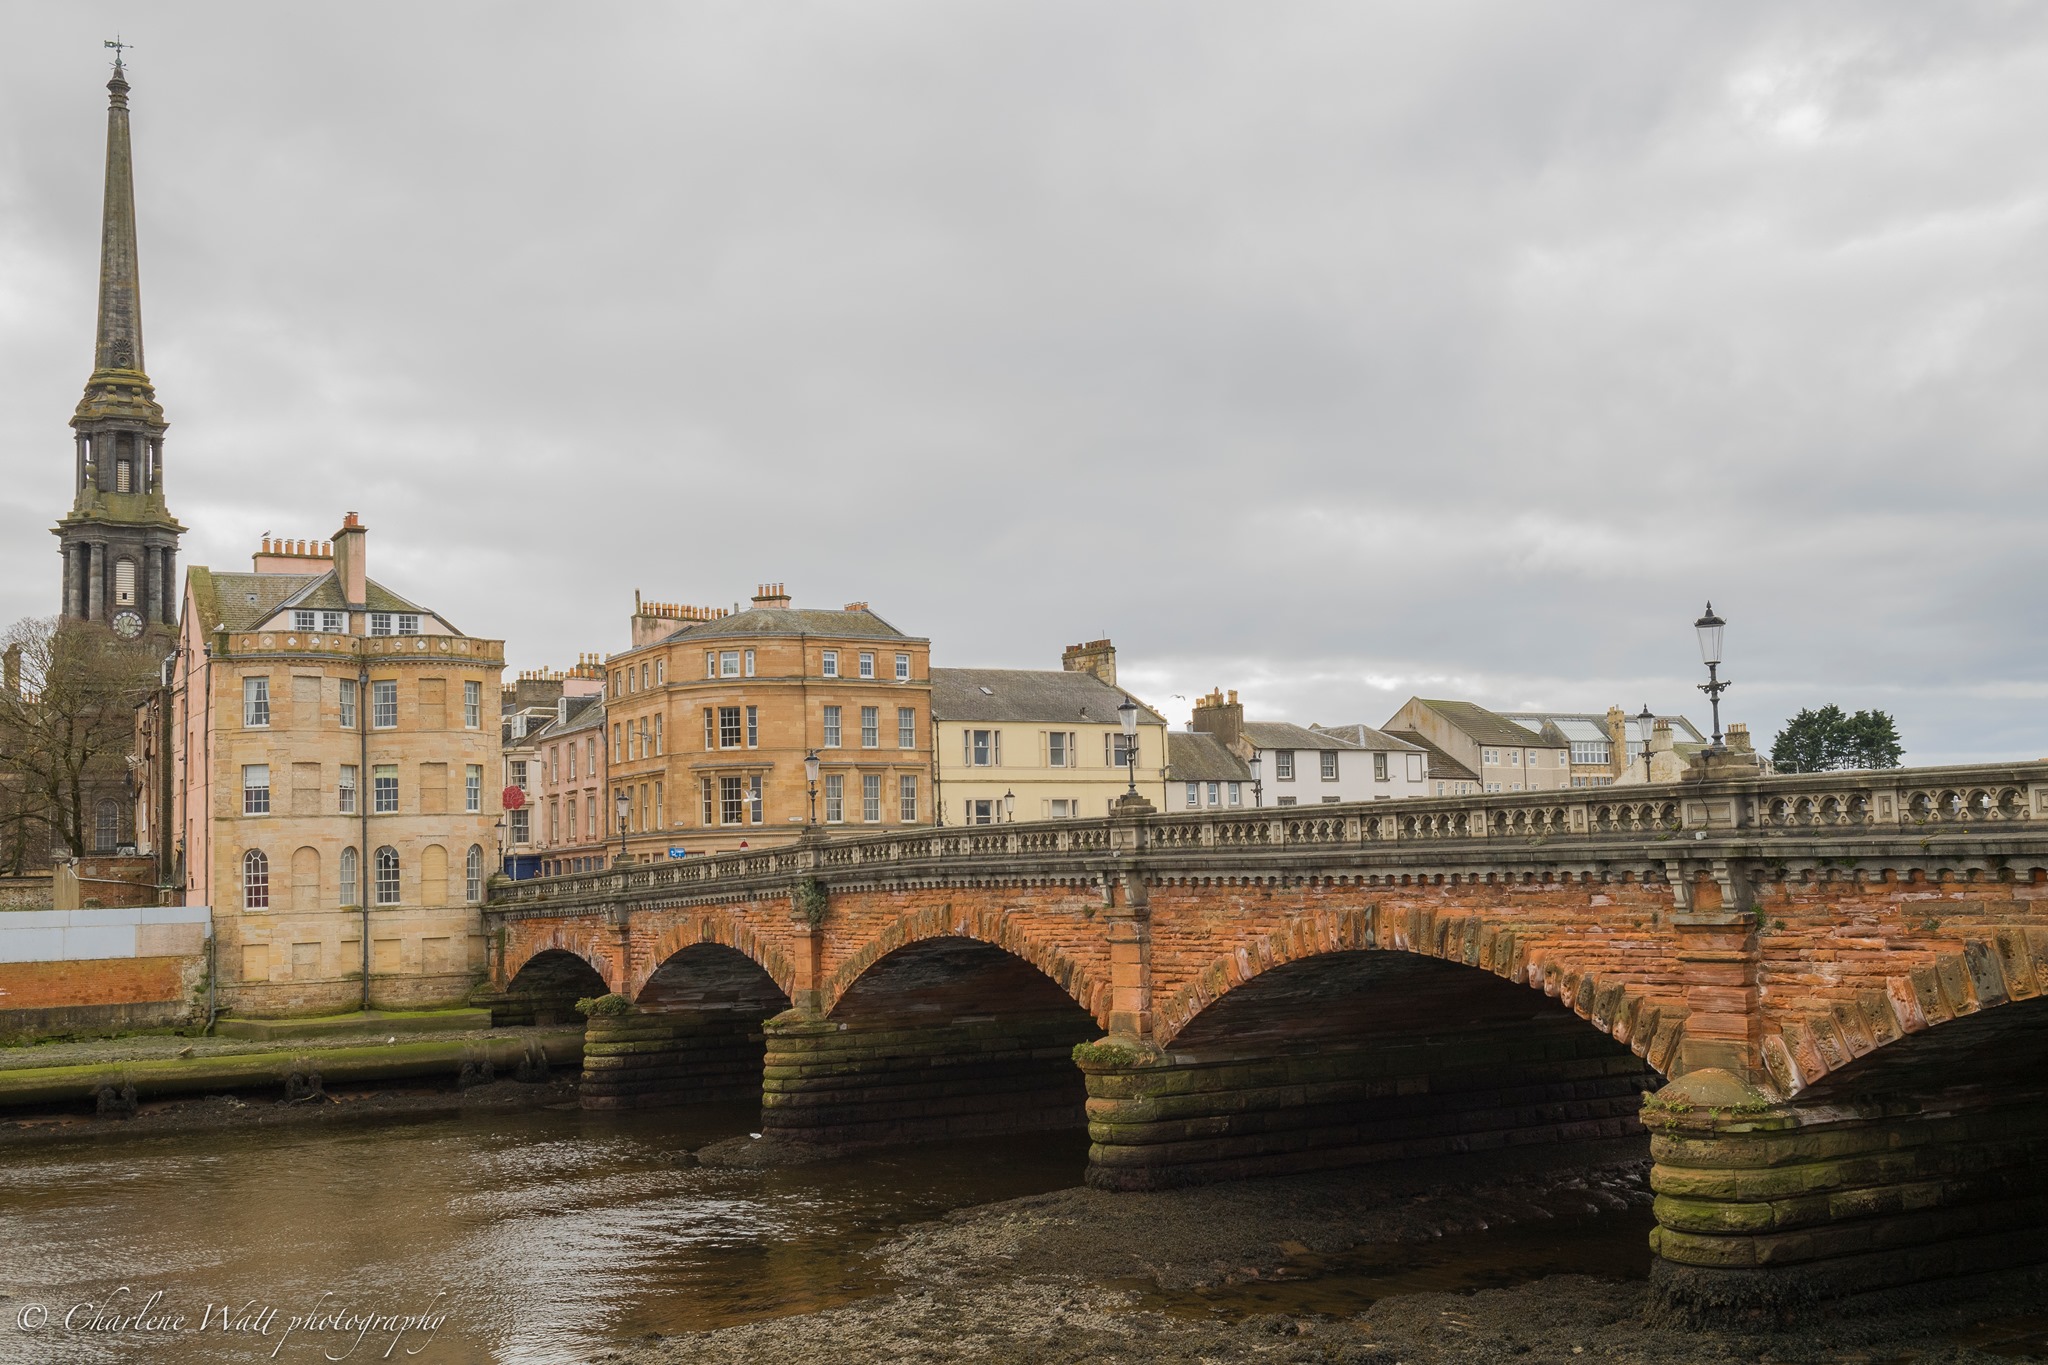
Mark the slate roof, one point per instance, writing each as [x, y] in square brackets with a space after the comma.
[1364, 736]
[757, 621]
[1195, 757]
[1486, 727]
[1569, 723]
[1280, 734]
[584, 713]
[1442, 767]
[223, 598]
[1054, 696]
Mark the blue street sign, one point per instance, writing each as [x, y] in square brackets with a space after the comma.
[677, 852]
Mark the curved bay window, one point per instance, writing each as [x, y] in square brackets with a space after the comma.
[387, 875]
[255, 880]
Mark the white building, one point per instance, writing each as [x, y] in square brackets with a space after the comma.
[1398, 768]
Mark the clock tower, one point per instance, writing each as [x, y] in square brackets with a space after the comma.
[119, 542]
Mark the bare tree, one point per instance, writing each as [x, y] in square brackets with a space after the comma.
[67, 724]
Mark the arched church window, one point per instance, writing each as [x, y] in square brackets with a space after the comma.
[106, 832]
[124, 582]
[124, 475]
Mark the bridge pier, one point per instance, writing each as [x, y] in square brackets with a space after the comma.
[646, 1061]
[1767, 1206]
[870, 1083]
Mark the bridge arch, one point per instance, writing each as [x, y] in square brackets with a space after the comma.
[939, 1026]
[1082, 983]
[1650, 1024]
[522, 949]
[1834, 1043]
[544, 988]
[726, 930]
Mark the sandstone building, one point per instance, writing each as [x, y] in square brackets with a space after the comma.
[1040, 744]
[1485, 750]
[332, 764]
[540, 703]
[710, 715]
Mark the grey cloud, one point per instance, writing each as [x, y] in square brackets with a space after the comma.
[1320, 350]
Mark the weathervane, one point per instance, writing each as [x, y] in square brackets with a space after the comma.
[119, 48]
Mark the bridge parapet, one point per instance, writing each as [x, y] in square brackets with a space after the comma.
[1725, 818]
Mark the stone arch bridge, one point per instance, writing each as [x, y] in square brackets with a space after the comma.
[1822, 995]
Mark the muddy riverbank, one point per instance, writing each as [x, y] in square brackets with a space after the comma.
[1332, 1268]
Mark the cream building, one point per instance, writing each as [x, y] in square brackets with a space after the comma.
[332, 756]
[1040, 744]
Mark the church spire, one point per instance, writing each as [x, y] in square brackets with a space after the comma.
[119, 542]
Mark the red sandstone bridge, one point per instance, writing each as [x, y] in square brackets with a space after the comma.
[1822, 995]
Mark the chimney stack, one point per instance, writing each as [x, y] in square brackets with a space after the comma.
[770, 595]
[1095, 656]
[350, 566]
[1223, 719]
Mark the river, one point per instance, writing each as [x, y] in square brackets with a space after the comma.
[548, 1234]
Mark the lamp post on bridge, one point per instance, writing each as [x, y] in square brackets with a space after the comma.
[1645, 723]
[811, 782]
[1257, 765]
[1127, 712]
[1710, 627]
[622, 804]
[1009, 807]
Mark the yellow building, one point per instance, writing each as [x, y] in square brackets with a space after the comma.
[332, 760]
[1040, 744]
[711, 714]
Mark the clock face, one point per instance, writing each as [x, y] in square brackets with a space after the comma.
[127, 625]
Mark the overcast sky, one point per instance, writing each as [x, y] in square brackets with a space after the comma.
[1334, 353]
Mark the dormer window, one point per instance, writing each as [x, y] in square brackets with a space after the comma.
[380, 623]
[334, 622]
[408, 623]
[303, 620]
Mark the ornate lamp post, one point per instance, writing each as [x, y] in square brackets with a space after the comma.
[1009, 808]
[1257, 765]
[1645, 723]
[811, 781]
[1709, 628]
[1127, 712]
[623, 805]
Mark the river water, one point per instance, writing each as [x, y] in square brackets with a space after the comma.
[545, 1234]
[548, 1235]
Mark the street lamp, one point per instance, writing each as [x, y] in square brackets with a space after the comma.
[500, 827]
[623, 804]
[1710, 627]
[811, 780]
[1644, 724]
[1127, 712]
[1258, 788]
[1009, 808]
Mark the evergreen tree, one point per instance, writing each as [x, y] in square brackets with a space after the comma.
[1828, 738]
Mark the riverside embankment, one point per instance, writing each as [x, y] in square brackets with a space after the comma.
[287, 1057]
